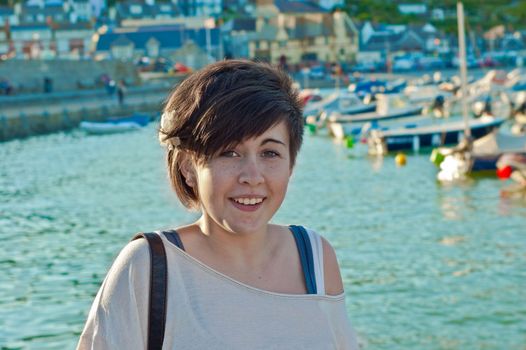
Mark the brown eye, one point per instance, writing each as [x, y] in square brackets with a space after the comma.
[270, 154]
[228, 154]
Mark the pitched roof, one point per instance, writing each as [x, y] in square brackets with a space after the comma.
[170, 38]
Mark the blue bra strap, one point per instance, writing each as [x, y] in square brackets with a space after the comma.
[173, 237]
[307, 261]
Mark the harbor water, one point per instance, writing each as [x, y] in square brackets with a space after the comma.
[425, 266]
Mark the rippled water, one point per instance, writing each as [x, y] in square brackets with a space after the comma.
[425, 266]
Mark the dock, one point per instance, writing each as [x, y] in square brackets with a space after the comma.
[36, 114]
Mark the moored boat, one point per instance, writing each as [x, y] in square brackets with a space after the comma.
[389, 107]
[97, 128]
[481, 156]
[116, 124]
[416, 138]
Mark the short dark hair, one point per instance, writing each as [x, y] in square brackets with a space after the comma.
[223, 104]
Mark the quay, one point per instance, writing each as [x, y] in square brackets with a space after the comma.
[42, 113]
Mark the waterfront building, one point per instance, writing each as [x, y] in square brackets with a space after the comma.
[136, 11]
[192, 47]
[292, 31]
[72, 40]
[380, 43]
[31, 40]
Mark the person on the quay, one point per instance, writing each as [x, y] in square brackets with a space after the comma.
[121, 91]
[234, 280]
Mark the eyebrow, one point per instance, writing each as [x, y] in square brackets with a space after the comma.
[265, 141]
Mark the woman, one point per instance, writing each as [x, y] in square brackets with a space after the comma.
[232, 131]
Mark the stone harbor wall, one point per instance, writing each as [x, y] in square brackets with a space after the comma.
[33, 76]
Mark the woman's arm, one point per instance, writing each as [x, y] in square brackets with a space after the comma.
[119, 314]
[332, 275]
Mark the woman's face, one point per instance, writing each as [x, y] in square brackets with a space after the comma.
[240, 188]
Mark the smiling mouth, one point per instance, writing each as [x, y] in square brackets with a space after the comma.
[248, 201]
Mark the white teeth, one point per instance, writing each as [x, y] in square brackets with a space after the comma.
[248, 201]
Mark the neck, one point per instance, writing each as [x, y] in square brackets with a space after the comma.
[241, 249]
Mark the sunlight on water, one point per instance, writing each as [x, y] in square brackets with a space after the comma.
[425, 266]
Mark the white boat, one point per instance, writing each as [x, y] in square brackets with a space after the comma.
[317, 107]
[443, 133]
[457, 162]
[100, 128]
[426, 94]
[338, 101]
[350, 104]
[340, 131]
[389, 107]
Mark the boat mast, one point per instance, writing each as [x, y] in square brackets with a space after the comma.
[463, 72]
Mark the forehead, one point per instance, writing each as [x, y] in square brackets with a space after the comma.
[277, 132]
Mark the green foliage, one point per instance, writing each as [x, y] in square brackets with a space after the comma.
[480, 15]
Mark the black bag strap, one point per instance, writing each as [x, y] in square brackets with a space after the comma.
[158, 286]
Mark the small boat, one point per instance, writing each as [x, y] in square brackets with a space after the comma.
[115, 125]
[141, 119]
[375, 86]
[415, 138]
[391, 106]
[340, 131]
[481, 156]
[350, 104]
[98, 128]
[315, 108]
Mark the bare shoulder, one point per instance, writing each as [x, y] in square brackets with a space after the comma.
[190, 235]
[333, 278]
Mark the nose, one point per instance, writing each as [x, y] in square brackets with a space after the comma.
[251, 172]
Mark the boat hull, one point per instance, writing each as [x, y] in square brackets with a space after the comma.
[440, 136]
[108, 128]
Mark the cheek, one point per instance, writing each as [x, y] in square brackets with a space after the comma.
[212, 181]
[280, 177]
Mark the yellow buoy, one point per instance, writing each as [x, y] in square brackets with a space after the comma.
[400, 159]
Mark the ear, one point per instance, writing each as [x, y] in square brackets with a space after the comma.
[187, 168]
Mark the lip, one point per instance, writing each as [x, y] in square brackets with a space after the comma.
[247, 208]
